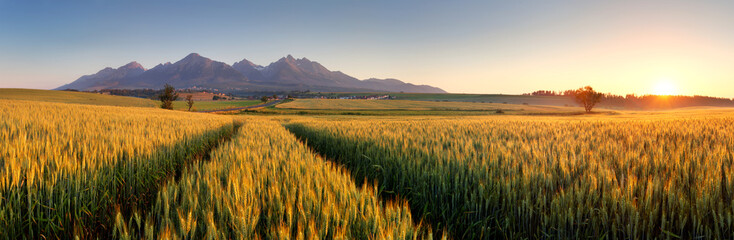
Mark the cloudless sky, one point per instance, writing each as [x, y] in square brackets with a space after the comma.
[461, 46]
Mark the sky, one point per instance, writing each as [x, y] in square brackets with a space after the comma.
[508, 47]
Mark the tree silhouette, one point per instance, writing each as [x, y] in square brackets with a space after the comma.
[190, 101]
[587, 97]
[168, 96]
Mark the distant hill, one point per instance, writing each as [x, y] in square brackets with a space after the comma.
[195, 71]
[74, 97]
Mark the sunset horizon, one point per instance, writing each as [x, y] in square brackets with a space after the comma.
[328, 119]
[626, 47]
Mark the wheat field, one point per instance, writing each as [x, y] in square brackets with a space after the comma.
[632, 177]
[84, 171]
[355, 104]
[264, 184]
[64, 166]
[214, 105]
[73, 97]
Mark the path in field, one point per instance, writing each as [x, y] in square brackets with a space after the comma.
[243, 108]
[265, 184]
[428, 195]
[145, 202]
[385, 194]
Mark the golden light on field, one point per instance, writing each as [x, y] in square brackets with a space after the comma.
[665, 87]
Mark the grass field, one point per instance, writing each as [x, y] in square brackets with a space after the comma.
[488, 98]
[108, 100]
[74, 97]
[406, 107]
[70, 170]
[215, 105]
[478, 98]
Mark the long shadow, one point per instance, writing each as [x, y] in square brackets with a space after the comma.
[85, 204]
[435, 194]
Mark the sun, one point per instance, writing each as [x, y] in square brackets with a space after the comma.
[665, 87]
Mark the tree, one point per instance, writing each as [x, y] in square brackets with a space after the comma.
[190, 101]
[264, 99]
[587, 97]
[168, 96]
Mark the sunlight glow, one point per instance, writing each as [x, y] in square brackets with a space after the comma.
[665, 87]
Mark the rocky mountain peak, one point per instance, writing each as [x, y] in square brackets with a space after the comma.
[286, 74]
[193, 57]
[133, 65]
[245, 62]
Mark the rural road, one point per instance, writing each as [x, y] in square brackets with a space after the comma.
[247, 107]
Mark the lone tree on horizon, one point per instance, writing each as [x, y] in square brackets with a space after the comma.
[587, 97]
[190, 101]
[168, 96]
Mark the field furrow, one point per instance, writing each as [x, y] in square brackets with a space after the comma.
[264, 184]
[65, 168]
[548, 178]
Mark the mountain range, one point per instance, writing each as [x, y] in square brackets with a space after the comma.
[195, 71]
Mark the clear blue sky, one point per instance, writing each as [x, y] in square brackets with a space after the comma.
[460, 46]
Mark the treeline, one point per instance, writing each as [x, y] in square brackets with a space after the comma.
[141, 93]
[551, 93]
[148, 93]
[646, 102]
[631, 101]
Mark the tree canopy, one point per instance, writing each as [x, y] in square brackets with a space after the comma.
[168, 96]
[587, 97]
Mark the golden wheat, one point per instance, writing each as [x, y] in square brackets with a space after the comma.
[64, 166]
[662, 176]
[265, 184]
